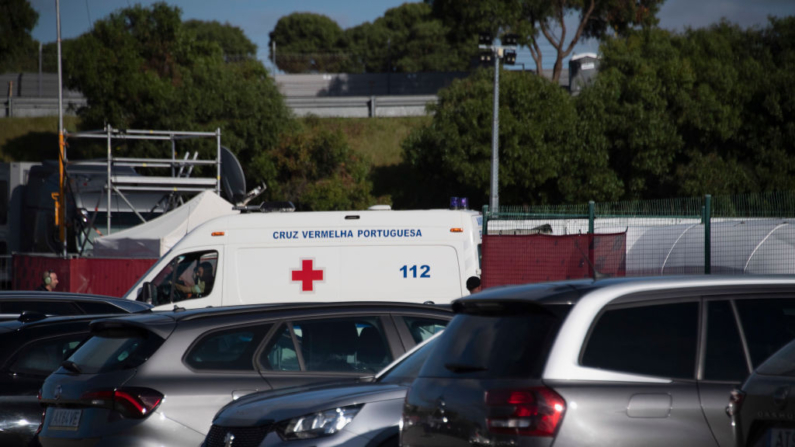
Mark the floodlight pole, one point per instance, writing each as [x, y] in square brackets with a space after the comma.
[60, 207]
[494, 201]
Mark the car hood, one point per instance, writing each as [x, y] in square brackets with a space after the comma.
[269, 407]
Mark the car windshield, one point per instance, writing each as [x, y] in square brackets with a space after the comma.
[503, 340]
[408, 369]
[113, 352]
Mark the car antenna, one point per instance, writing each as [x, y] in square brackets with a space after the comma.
[597, 275]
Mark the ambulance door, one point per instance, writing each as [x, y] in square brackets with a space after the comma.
[192, 279]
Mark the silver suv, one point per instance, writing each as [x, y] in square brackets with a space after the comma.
[619, 362]
[158, 379]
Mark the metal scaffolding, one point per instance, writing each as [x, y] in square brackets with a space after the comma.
[174, 183]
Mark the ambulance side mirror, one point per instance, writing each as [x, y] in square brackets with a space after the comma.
[473, 284]
[148, 293]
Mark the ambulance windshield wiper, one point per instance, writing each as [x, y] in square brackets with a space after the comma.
[464, 368]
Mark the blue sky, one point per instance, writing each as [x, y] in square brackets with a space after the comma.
[258, 17]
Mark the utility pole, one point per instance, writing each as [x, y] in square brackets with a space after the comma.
[60, 207]
[494, 201]
[491, 52]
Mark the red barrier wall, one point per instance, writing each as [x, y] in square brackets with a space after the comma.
[521, 259]
[112, 277]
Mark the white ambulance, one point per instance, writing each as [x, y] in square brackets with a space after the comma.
[383, 255]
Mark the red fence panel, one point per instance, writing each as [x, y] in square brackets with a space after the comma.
[522, 259]
[112, 277]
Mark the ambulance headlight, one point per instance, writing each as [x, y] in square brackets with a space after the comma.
[322, 423]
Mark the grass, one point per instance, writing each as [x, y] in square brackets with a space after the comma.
[378, 139]
[31, 139]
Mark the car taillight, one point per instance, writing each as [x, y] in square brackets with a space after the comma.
[131, 402]
[41, 424]
[535, 411]
[736, 399]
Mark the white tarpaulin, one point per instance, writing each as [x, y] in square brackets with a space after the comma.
[154, 238]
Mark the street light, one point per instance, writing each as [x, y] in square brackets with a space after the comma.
[491, 54]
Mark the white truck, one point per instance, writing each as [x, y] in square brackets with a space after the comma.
[248, 258]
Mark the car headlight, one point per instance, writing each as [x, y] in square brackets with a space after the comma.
[322, 423]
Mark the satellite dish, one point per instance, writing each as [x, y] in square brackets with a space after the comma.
[233, 181]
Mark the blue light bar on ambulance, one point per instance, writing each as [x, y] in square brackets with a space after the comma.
[459, 203]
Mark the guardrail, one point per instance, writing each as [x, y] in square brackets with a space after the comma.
[30, 107]
[361, 106]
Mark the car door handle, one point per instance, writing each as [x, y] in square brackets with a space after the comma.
[649, 406]
[237, 394]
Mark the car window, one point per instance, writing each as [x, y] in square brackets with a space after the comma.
[280, 354]
[188, 276]
[231, 349]
[511, 340]
[724, 358]
[658, 340]
[98, 307]
[44, 357]
[768, 324]
[423, 328]
[352, 344]
[45, 307]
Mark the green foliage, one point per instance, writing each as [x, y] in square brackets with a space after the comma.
[17, 20]
[142, 68]
[544, 154]
[407, 38]
[319, 171]
[711, 109]
[233, 42]
[307, 42]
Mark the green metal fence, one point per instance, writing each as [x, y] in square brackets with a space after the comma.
[741, 234]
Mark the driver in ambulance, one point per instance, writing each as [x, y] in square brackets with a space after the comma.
[202, 281]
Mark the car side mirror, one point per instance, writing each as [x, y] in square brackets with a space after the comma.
[367, 379]
[148, 293]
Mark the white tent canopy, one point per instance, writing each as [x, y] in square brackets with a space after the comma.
[154, 238]
[754, 246]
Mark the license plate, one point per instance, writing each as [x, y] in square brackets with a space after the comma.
[780, 437]
[63, 419]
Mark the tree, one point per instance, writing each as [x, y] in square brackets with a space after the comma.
[543, 155]
[17, 20]
[711, 110]
[142, 68]
[307, 42]
[232, 40]
[532, 19]
[406, 39]
[319, 171]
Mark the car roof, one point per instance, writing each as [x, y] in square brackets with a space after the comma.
[16, 325]
[570, 292]
[128, 305]
[180, 314]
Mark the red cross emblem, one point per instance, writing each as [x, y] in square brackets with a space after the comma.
[307, 275]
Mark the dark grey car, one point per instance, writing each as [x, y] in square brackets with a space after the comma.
[360, 414]
[763, 410]
[158, 379]
[13, 303]
[29, 352]
[617, 362]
